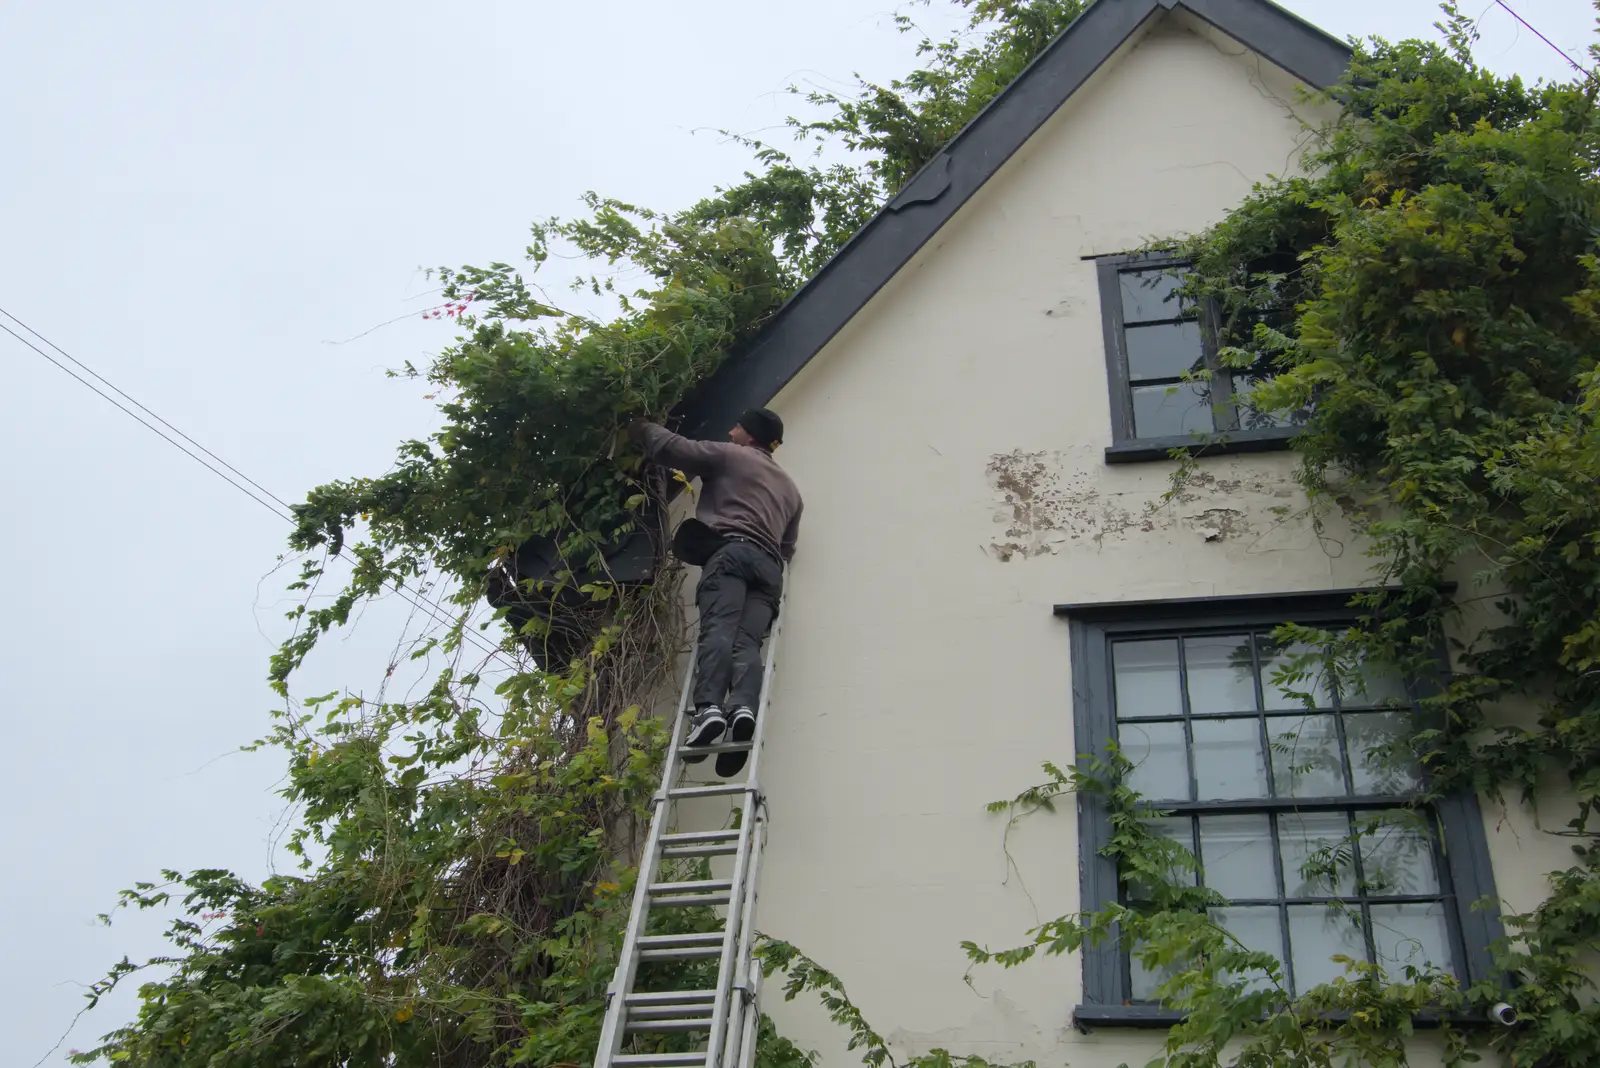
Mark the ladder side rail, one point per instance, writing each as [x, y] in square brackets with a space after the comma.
[725, 962]
[744, 1016]
[768, 670]
[730, 1025]
[752, 1021]
[613, 1033]
[728, 962]
[742, 1008]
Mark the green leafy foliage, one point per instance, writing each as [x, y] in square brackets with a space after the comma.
[902, 126]
[466, 856]
[1427, 292]
[471, 911]
[1235, 1001]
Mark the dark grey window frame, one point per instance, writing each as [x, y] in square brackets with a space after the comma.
[1464, 846]
[1125, 447]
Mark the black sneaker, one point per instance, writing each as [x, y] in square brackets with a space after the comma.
[705, 727]
[743, 729]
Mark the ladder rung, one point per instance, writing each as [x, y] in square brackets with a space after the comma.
[681, 901]
[705, 750]
[686, 1023]
[698, 837]
[679, 941]
[686, 953]
[673, 997]
[721, 789]
[659, 1060]
[678, 852]
[700, 844]
[693, 886]
[682, 947]
[668, 1012]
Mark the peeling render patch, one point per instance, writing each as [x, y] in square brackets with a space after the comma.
[1043, 505]
[1042, 509]
[1214, 524]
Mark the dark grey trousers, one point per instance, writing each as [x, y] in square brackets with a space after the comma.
[738, 599]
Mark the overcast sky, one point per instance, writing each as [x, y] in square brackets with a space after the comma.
[201, 201]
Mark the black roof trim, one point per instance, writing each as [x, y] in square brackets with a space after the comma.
[810, 319]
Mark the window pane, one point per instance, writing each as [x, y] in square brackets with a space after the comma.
[1168, 350]
[1380, 761]
[1316, 933]
[1276, 658]
[1222, 676]
[1251, 417]
[1157, 750]
[1397, 853]
[1146, 678]
[1176, 829]
[1150, 294]
[1412, 935]
[1237, 853]
[1168, 411]
[1143, 983]
[1256, 926]
[1305, 757]
[1227, 759]
[1318, 855]
[1374, 687]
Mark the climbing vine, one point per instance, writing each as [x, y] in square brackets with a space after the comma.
[465, 855]
[1236, 1001]
[1428, 293]
[1424, 301]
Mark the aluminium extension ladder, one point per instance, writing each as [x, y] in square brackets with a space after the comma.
[727, 1015]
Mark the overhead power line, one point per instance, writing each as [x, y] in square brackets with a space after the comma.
[91, 372]
[1559, 50]
[221, 468]
[281, 514]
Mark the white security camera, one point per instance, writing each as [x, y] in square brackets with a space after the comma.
[1503, 1014]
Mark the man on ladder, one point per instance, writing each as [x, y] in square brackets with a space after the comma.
[742, 535]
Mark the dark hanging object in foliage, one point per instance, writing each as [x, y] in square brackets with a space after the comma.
[535, 585]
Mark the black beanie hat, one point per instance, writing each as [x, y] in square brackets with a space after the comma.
[764, 425]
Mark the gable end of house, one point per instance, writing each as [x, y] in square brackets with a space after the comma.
[888, 241]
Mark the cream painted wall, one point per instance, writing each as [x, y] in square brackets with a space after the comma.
[949, 443]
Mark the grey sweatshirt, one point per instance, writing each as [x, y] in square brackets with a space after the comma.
[742, 488]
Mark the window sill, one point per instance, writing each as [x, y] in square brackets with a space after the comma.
[1141, 450]
[1151, 1017]
[1146, 1016]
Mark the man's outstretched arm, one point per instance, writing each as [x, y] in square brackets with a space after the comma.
[664, 447]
